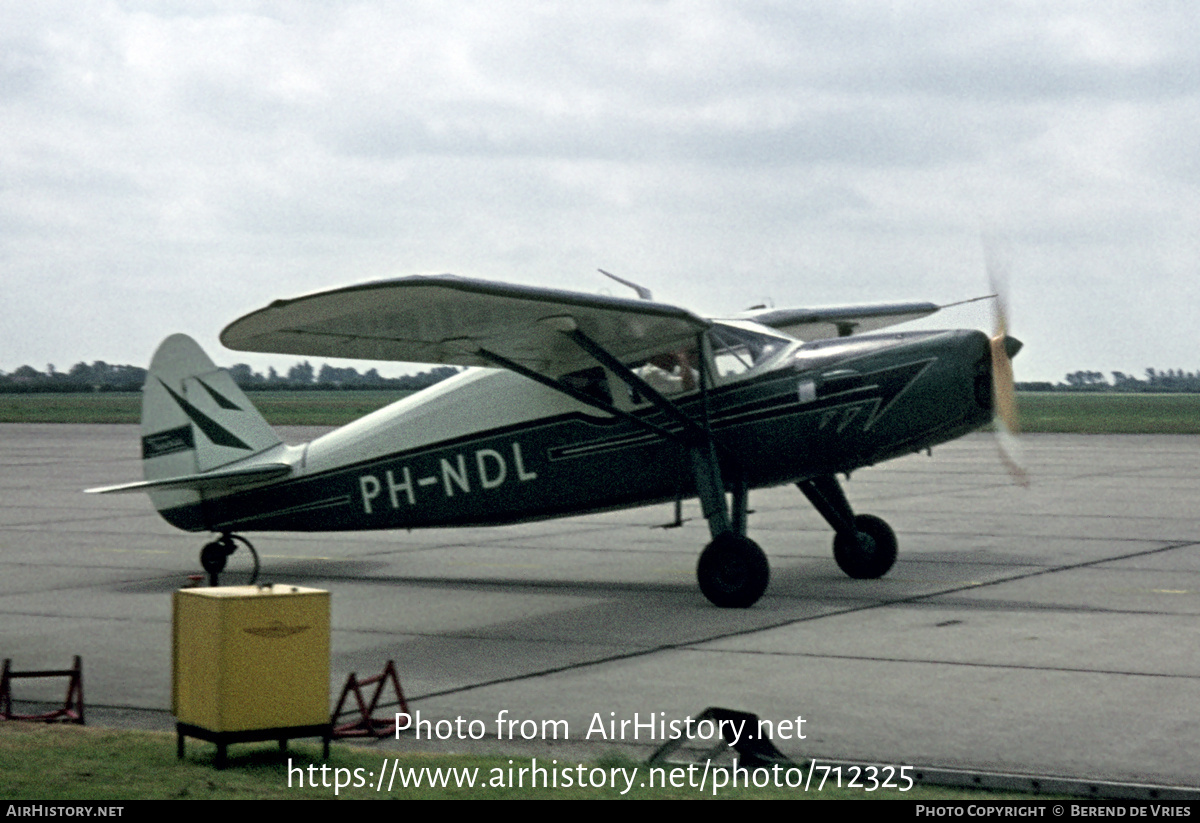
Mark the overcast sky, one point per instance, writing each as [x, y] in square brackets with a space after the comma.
[171, 166]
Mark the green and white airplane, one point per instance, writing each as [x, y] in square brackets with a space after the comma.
[584, 403]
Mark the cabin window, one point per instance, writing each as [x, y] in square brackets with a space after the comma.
[669, 373]
[737, 351]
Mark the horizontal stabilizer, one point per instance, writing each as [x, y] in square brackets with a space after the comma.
[218, 480]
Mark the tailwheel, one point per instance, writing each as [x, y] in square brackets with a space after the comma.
[870, 552]
[215, 554]
[733, 571]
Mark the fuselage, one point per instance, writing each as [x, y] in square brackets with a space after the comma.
[490, 446]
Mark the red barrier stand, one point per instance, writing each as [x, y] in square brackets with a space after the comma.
[366, 725]
[72, 710]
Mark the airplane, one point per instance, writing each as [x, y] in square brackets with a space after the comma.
[581, 403]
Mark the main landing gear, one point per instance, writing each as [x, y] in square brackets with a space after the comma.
[864, 546]
[733, 571]
[214, 555]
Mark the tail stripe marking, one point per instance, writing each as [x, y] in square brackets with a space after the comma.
[221, 400]
[218, 434]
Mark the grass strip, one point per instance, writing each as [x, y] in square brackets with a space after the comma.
[284, 408]
[1046, 412]
[49, 762]
[1083, 413]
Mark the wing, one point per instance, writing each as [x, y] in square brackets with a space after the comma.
[838, 321]
[447, 319]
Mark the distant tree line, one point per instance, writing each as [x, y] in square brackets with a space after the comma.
[103, 377]
[332, 378]
[1171, 380]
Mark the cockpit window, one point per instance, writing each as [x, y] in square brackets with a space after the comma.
[737, 351]
[669, 373]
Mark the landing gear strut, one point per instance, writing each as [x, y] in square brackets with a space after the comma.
[214, 555]
[864, 546]
[733, 571]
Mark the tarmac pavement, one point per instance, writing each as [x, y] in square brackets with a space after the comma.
[1053, 630]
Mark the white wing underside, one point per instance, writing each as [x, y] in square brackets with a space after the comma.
[447, 319]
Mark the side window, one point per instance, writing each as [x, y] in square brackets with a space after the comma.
[669, 373]
[736, 351]
[593, 382]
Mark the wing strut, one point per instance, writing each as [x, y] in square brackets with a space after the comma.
[696, 438]
[706, 468]
[694, 432]
[582, 397]
[733, 571]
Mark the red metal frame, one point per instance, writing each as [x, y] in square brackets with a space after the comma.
[72, 710]
[366, 725]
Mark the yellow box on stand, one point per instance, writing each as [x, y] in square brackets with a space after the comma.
[250, 657]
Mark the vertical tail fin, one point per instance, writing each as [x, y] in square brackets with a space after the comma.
[194, 419]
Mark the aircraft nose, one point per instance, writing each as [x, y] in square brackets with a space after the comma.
[1011, 346]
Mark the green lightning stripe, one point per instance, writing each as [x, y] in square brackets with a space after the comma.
[221, 400]
[217, 433]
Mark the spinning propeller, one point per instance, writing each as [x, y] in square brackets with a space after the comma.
[1004, 394]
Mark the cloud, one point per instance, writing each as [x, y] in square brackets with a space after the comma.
[168, 166]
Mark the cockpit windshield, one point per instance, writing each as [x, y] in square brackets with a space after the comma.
[737, 351]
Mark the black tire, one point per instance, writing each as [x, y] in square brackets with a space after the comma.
[871, 555]
[214, 555]
[733, 571]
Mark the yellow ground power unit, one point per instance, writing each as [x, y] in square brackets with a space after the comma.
[250, 663]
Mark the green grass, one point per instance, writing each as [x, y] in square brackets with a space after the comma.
[282, 408]
[43, 762]
[1040, 411]
[320, 408]
[1109, 413]
[110, 407]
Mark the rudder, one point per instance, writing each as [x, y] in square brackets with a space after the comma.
[194, 419]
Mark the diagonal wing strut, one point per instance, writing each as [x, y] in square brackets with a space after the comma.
[696, 438]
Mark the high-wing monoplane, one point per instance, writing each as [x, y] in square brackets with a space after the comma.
[583, 403]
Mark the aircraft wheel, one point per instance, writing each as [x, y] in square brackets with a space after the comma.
[733, 571]
[214, 555]
[869, 556]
